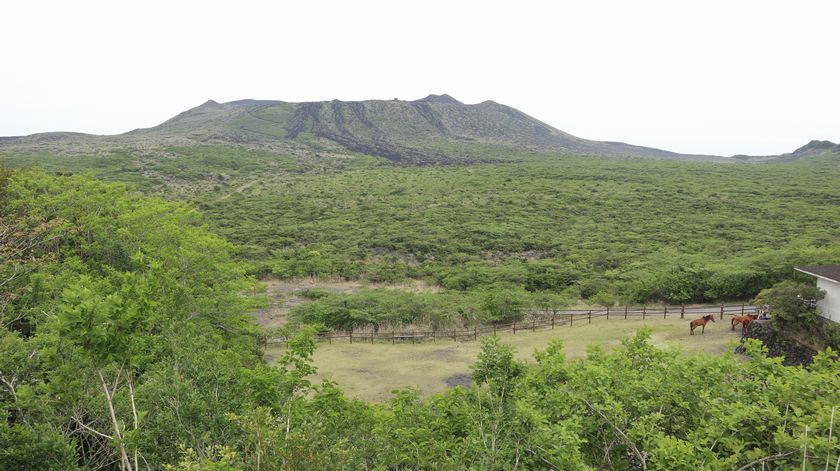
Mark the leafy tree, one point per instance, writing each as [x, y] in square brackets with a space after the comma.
[500, 306]
[791, 302]
[496, 366]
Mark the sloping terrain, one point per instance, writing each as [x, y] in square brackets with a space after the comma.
[814, 148]
[218, 142]
[436, 129]
[469, 197]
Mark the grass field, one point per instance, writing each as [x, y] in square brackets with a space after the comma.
[371, 372]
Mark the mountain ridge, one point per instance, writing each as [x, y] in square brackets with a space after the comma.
[436, 129]
[813, 148]
[400, 130]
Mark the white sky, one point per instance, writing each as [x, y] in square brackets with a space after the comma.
[718, 77]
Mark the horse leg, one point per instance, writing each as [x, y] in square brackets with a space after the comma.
[703, 330]
[691, 329]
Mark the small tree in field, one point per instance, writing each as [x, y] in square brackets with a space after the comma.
[791, 302]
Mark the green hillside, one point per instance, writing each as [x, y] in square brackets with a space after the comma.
[471, 198]
[602, 227]
[433, 130]
[129, 341]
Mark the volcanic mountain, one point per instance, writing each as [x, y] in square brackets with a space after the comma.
[437, 129]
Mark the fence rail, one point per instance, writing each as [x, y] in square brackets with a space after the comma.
[539, 319]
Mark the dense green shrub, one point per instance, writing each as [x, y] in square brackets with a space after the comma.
[376, 308]
[646, 231]
[792, 302]
[130, 302]
[502, 306]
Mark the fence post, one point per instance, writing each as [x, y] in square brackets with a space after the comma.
[351, 335]
[434, 336]
[475, 333]
[329, 338]
[534, 326]
[608, 313]
[644, 311]
[393, 338]
[552, 321]
[454, 336]
[665, 315]
[682, 311]
[494, 330]
[590, 316]
[742, 309]
[625, 312]
[514, 328]
[721, 311]
[571, 319]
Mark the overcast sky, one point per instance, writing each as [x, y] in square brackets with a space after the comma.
[716, 77]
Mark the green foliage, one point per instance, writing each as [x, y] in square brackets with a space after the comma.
[501, 306]
[35, 447]
[633, 229]
[217, 458]
[300, 263]
[314, 293]
[220, 162]
[792, 302]
[602, 229]
[136, 290]
[550, 276]
[110, 288]
[496, 367]
[376, 308]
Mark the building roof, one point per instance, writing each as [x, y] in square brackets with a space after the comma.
[828, 272]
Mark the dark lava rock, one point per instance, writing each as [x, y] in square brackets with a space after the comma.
[778, 345]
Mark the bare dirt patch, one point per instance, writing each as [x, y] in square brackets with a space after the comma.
[460, 379]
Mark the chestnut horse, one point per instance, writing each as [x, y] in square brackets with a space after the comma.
[745, 321]
[701, 323]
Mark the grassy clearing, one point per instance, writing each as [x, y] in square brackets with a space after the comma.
[371, 372]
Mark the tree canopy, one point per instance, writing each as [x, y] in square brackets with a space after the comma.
[126, 344]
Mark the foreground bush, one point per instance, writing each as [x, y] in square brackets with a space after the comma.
[125, 345]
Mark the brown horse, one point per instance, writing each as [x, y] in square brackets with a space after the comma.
[701, 323]
[745, 321]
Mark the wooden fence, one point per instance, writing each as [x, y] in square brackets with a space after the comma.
[541, 319]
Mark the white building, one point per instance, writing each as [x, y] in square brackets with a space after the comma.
[828, 279]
